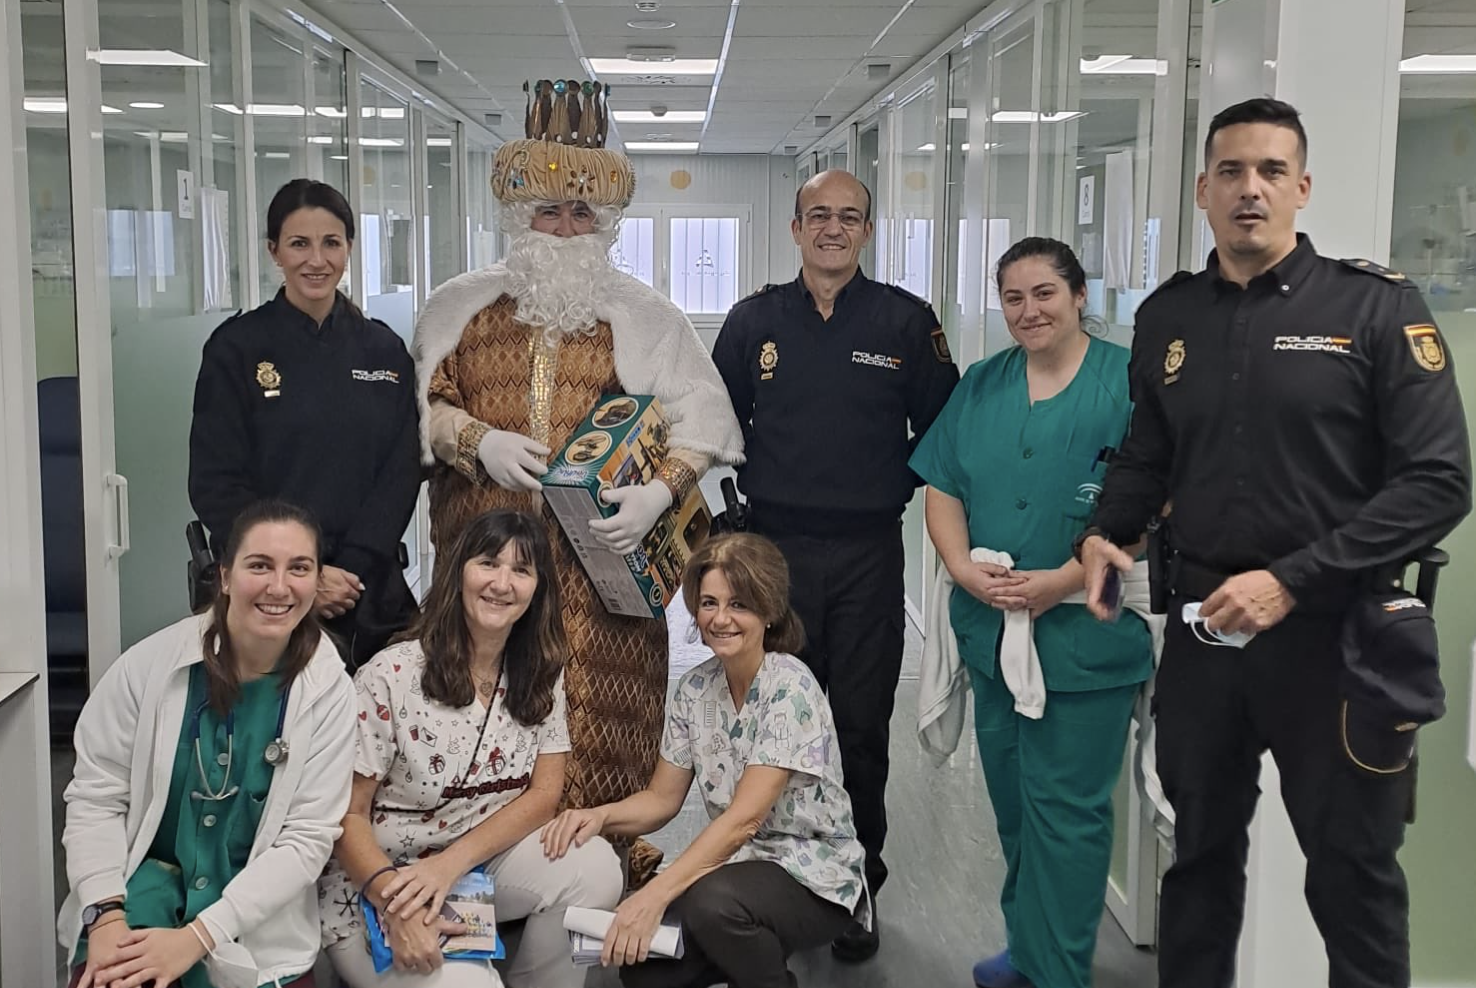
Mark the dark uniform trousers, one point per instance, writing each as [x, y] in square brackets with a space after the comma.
[848, 592]
[1217, 709]
[740, 924]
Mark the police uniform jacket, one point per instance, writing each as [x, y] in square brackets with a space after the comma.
[1308, 424]
[323, 417]
[826, 405]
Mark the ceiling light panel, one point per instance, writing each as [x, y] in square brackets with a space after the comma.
[671, 146]
[670, 117]
[675, 66]
[142, 56]
[1439, 64]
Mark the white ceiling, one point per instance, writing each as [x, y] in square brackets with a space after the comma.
[786, 60]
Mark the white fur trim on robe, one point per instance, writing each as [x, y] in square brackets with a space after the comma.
[657, 352]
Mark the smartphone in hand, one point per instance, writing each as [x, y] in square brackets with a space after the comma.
[1112, 591]
[450, 915]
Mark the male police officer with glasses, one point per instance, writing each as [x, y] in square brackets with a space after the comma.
[1300, 416]
[826, 374]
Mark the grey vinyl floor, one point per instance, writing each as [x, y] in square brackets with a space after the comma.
[939, 911]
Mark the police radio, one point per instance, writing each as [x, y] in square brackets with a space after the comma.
[200, 571]
[734, 517]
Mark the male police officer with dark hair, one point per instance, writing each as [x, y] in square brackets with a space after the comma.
[1300, 416]
[826, 374]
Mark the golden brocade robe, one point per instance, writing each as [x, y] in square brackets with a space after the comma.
[504, 375]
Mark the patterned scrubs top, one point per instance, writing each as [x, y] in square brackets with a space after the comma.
[786, 723]
[437, 780]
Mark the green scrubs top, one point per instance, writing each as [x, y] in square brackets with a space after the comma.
[1028, 476]
[202, 844]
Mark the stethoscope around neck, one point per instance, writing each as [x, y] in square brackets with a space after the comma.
[275, 752]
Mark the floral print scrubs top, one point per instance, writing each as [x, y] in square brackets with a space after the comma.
[443, 770]
[786, 723]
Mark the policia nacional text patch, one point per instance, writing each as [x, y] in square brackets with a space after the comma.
[1424, 343]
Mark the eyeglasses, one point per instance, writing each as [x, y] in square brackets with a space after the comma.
[820, 216]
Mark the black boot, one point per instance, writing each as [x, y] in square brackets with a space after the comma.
[858, 943]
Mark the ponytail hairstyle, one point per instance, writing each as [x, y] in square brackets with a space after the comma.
[1063, 261]
[222, 673]
[305, 193]
[758, 576]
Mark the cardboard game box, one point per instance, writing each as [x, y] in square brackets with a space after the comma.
[623, 441]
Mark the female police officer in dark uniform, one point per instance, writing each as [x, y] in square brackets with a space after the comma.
[308, 400]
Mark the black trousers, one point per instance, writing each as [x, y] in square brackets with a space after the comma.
[739, 924]
[1217, 709]
[848, 592]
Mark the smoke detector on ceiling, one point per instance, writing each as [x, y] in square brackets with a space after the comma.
[648, 6]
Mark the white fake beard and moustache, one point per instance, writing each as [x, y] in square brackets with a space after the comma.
[557, 280]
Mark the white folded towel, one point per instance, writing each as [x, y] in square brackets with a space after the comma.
[944, 681]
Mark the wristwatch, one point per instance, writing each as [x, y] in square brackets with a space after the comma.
[91, 914]
[1080, 540]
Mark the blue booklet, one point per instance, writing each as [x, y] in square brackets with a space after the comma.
[469, 902]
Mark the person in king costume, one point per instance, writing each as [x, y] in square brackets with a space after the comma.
[509, 361]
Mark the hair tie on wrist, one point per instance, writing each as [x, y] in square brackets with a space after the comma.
[364, 889]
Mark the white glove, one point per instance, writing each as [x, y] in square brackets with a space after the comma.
[640, 507]
[513, 461]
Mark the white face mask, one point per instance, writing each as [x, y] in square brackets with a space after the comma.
[231, 966]
[1224, 639]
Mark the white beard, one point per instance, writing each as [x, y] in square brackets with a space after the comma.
[556, 280]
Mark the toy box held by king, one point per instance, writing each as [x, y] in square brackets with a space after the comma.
[623, 441]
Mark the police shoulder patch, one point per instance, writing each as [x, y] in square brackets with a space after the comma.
[1369, 267]
[1426, 346]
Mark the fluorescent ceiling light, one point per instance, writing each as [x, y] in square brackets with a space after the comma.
[438, 142]
[275, 110]
[383, 112]
[661, 145]
[145, 105]
[141, 56]
[930, 146]
[381, 142]
[55, 104]
[1439, 64]
[229, 108]
[322, 140]
[276, 154]
[1123, 65]
[335, 112]
[1031, 116]
[676, 66]
[670, 116]
[339, 157]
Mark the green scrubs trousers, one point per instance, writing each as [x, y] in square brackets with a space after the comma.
[1050, 782]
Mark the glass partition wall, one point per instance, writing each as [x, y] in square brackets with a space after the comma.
[193, 147]
[1042, 123]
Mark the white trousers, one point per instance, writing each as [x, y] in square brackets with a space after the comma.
[530, 886]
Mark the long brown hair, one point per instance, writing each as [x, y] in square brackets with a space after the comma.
[758, 575]
[536, 649]
[222, 675]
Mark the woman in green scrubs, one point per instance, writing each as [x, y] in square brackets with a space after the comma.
[213, 768]
[1013, 465]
